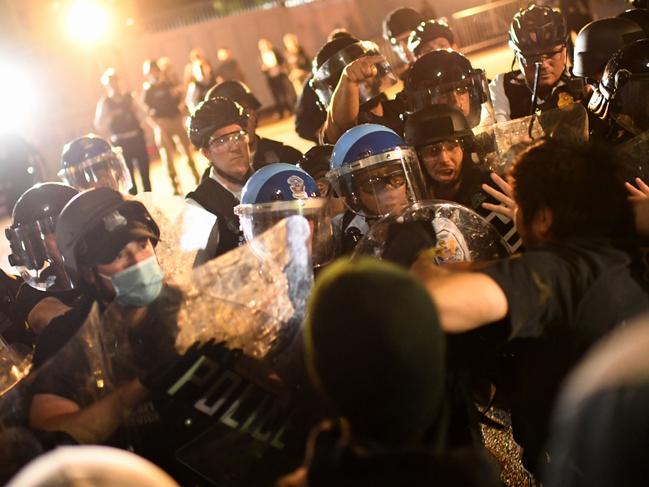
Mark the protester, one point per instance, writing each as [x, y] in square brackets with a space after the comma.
[572, 285]
[297, 61]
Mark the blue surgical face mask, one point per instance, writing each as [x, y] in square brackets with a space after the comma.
[138, 285]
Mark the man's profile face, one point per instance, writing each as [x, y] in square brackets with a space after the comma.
[131, 254]
[459, 98]
[229, 151]
[553, 64]
[443, 161]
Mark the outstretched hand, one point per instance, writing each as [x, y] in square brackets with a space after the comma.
[507, 206]
[642, 190]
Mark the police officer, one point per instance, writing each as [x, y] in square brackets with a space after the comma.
[117, 116]
[263, 150]
[538, 36]
[350, 79]
[598, 41]
[90, 161]
[218, 128]
[47, 290]
[639, 15]
[452, 165]
[278, 191]
[429, 36]
[622, 95]
[446, 77]
[397, 26]
[376, 174]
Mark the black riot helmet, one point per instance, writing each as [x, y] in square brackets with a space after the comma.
[598, 41]
[96, 224]
[400, 21]
[213, 114]
[640, 16]
[429, 31]
[317, 160]
[31, 236]
[437, 123]
[438, 76]
[639, 3]
[623, 92]
[536, 30]
[235, 91]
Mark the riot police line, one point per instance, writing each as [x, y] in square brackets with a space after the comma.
[185, 330]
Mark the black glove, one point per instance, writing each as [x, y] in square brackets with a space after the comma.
[405, 241]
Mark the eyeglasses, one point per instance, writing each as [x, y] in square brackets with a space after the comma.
[434, 150]
[539, 58]
[374, 183]
[223, 142]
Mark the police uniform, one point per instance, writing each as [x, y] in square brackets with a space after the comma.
[217, 199]
[512, 98]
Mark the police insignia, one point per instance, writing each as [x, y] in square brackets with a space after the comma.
[296, 185]
[114, 220]
[565, 100]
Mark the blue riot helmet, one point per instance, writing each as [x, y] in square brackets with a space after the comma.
[374, 170]
[277, 191]
[91, 162]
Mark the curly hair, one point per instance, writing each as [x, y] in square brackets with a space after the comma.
[580, 184]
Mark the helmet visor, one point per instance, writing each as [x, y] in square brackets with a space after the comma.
[37, 257]
[326, 78]
[106, 170]
[258, 218]
[380, 184]
[470, 95]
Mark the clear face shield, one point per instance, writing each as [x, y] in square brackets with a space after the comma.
[326, 78]
[380, 184]
[257, 219]
[470, 95]
[106, 170]
[37, 257]
[441, 231]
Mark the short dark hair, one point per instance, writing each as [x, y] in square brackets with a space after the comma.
[582, 186]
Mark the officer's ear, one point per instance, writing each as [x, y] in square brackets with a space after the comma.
[205, 151]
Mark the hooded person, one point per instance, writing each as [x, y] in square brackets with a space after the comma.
[381, 367]
[219, 129]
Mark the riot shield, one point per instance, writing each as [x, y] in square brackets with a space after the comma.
[208, 350]
[184, 231]
[501, 143]
[443, 231]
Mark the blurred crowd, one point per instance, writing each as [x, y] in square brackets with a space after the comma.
[450, 288]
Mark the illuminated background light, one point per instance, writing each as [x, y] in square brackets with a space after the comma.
[87, 21]
[16, 98]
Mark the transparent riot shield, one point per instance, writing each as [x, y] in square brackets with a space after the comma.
[443, 231]
[207, 355]
[500, 144]
[634, 157]
[185, 230]
[13, 367]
